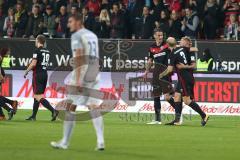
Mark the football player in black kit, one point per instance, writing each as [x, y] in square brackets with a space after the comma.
[39, 64]
[181, 61]
[159, 54]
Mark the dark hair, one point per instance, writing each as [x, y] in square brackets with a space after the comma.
[86, 8]
[36, 6]
[74, 6]
[20, 4]
[146, 7]
[157, 30]
[116, 4]
[189, 7]
[41, 39]
[4, 51]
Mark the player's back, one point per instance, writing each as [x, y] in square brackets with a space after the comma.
[42, 55]
[180, 55]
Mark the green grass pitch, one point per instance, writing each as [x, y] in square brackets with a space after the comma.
[127, 138]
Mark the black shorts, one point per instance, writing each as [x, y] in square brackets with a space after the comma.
[39, 82]
[161, 86]
[186, 88]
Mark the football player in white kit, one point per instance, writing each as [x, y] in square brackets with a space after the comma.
[85, 75]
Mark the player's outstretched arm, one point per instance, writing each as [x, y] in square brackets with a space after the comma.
[193, 49]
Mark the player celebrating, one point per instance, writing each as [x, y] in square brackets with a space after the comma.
[185, 87]
[4, 102]
[85, 76]
[39, 64]
[159, 54]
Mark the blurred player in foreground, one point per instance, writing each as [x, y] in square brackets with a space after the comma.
[180, 61]
[39, 64]
[85, 76]
[5, 102]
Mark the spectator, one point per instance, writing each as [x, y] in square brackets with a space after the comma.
[198, 6]
[194, 4]
[21, 19]
[232, 28]
[56, 4]
[175, 5]
[35, 23]
[29, 5]
[70, 4]
[105, 5]
[88, 18]
[210, 22]
[190, 23]
[147, 23]
[230, 7]
[74, 10]
[45, 3]
[9, 23]
[49, 22]
[117, 23]
[103, 25]
[163, 23]
[79, 4]
[93, 6]
[175, 26]
[134, 13]
[2, 19]
[8, 4]
[61, 23]
[158, 6]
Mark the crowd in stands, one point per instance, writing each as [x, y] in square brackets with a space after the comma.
[131, 19]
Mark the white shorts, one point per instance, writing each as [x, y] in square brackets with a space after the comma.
[80, 99]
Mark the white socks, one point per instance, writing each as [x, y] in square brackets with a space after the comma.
[68, 126]
[97, 120]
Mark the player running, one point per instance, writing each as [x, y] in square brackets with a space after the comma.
[39, 64]
[85, 76]
[185, 87]
[5, 102]
[159, 54]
